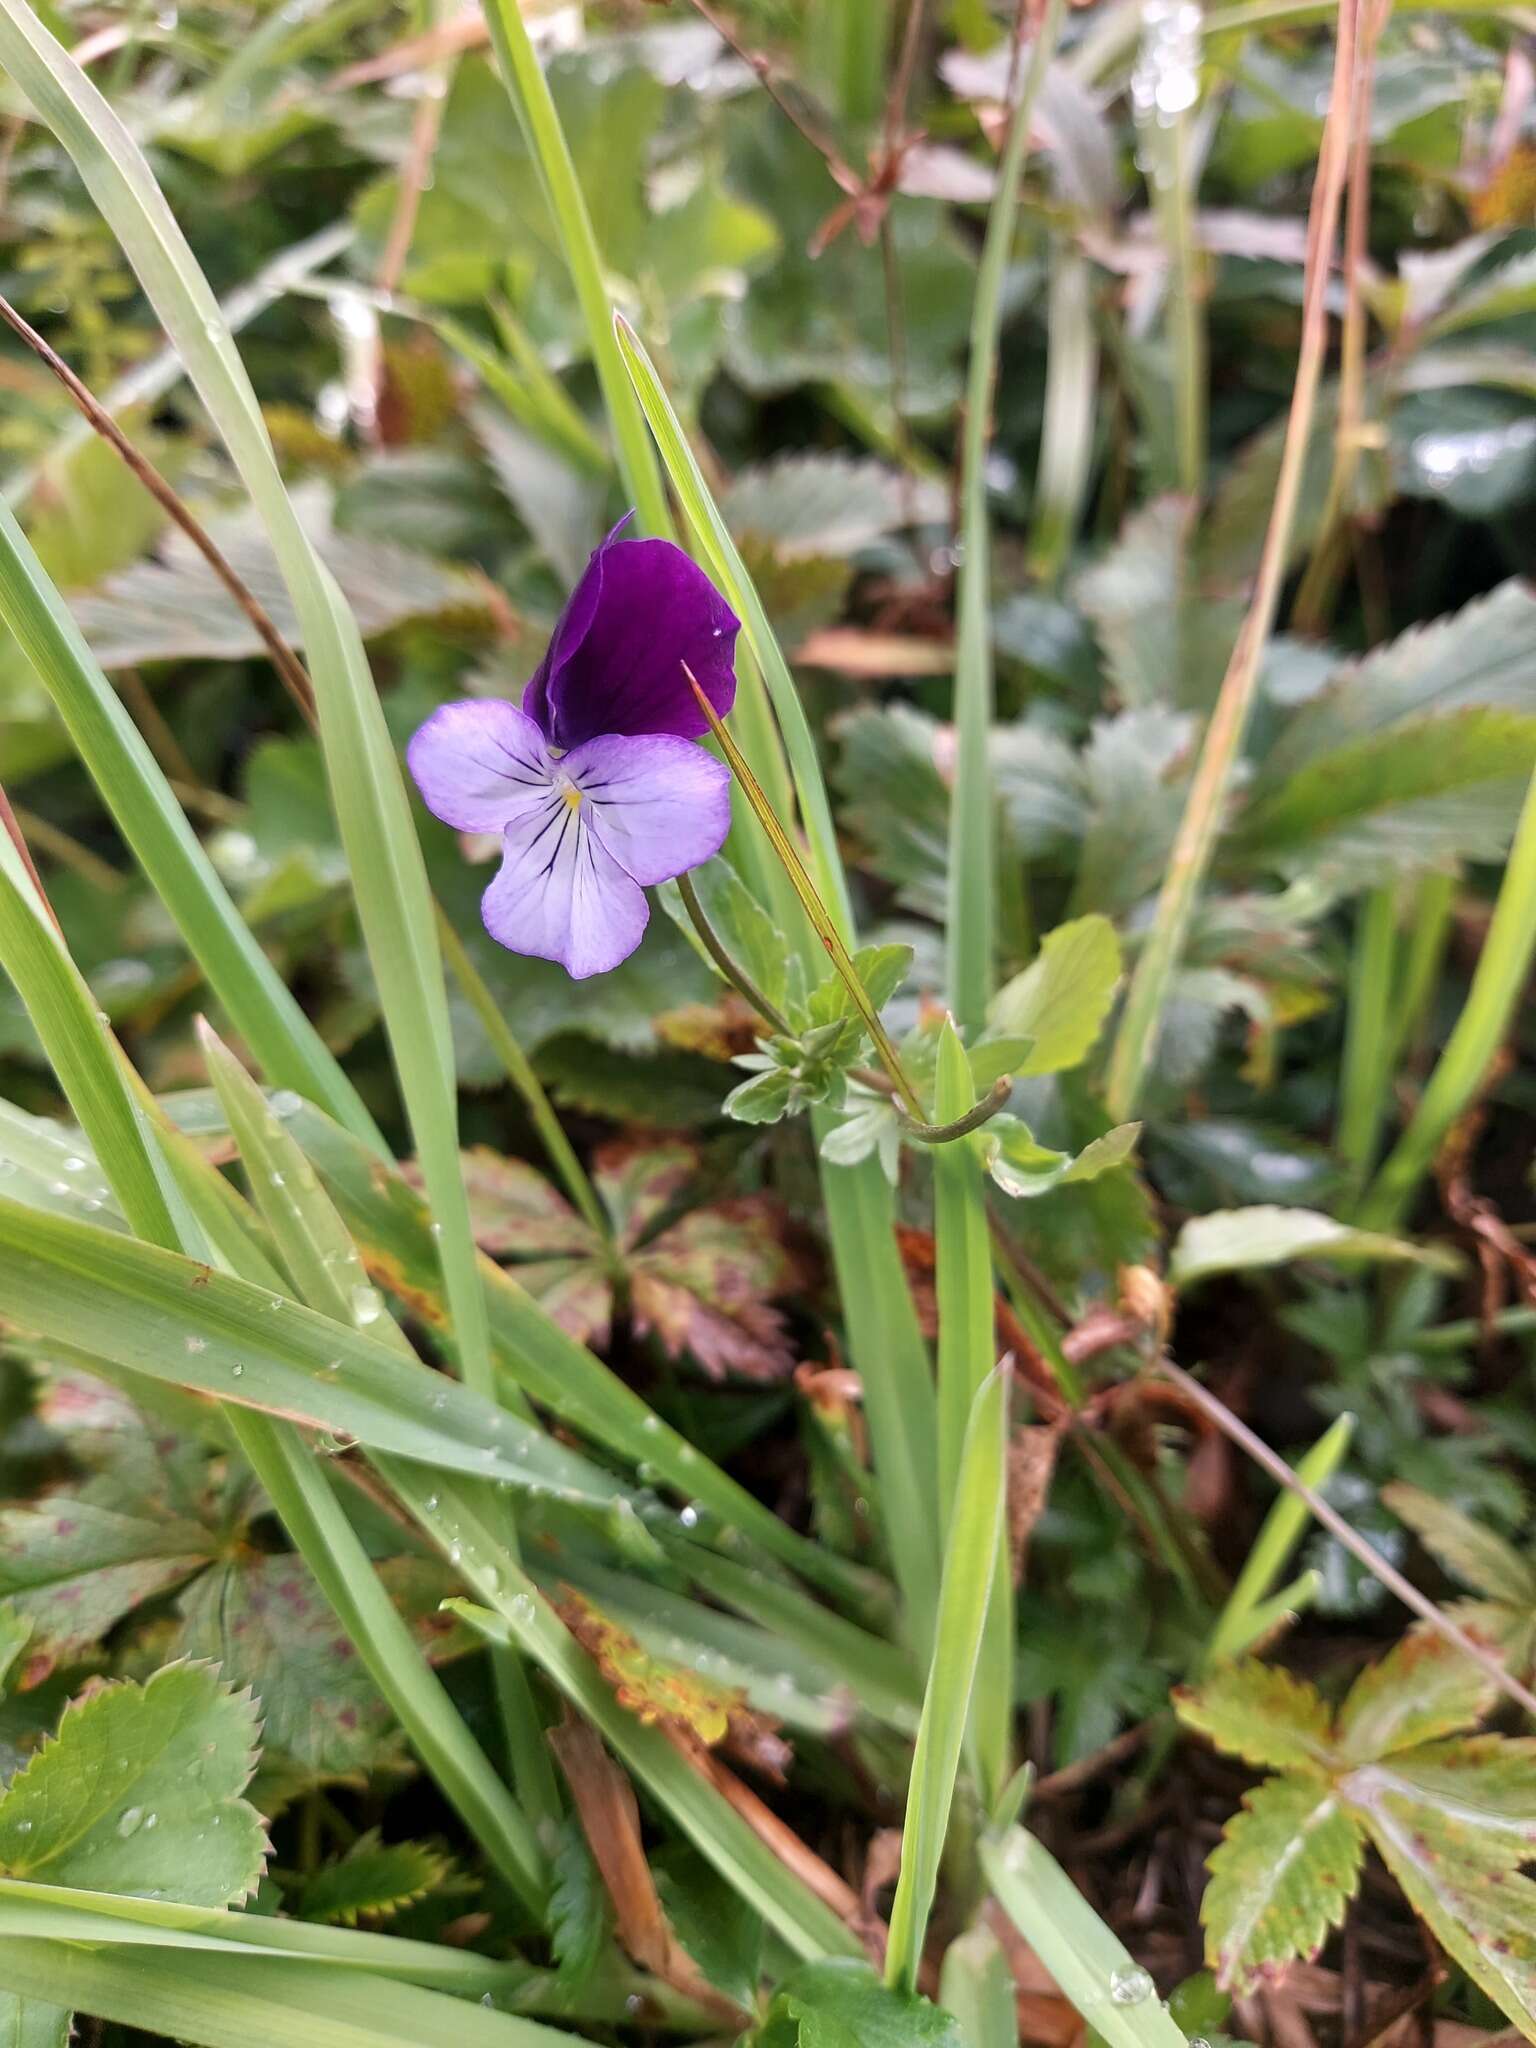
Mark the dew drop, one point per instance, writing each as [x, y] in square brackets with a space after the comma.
[455, 1553]
[130, 1821]
[523, 1609]
[431, 1503]
[151, 1820]
[196, 1344]
[23, 1827]
[286, 1103]
[689, 1517]
[492, 1579]
[1130, 1985]
[367, 1306]
[74, 1164]
[235, 1371]
[652, 1425]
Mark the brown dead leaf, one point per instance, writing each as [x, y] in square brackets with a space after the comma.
[610, 1820]
[1032, 1454]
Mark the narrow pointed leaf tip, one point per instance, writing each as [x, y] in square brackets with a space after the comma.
[595, 784]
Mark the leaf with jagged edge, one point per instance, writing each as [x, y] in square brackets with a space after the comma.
[139, 1793]
[579, 1913]
[827, 504]
[1423, 1689]
[1452, 1822]
[1262, 1714]
[1470, 1552]
[1280, 1879]
[374, 1881]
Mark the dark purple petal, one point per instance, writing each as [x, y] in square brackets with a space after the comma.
[615, 665]
[479, 763]
[562, 896]
[658, 804]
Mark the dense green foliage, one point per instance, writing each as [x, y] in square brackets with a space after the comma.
[535, 1509]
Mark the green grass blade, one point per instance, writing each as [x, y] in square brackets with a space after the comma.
[975, 1533]
[1067, 431]
[1503, 965]
[84, 1057]
[516, 1612]
[1086, 1958]
[1273, 1547]
[139, 798]
[721, 557]
[367, 791]
[156, 1312]
[967, 1352]
[978, 1987]
[98, 1085]
[391, 1223]
[327, 1272]
[233, 2001]
[64, 1913]
[1366, 1070]
[972, 908]
[535, 108]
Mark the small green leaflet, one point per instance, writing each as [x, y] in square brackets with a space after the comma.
[139, 1792]
[1063, 996]
[1505, 1580]
[1241, 1240]
[580, 1916]
[843, 2004]
[373, 1881]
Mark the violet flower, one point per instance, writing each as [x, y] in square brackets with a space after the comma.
[595, 785]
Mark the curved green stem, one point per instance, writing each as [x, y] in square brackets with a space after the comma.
[996, 1098]
[727, 963]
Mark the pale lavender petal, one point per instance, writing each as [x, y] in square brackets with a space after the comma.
[560, 895]
[658, 804]
[479, 763]
[641, 611]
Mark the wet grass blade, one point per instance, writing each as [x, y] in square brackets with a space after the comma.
[232, 2001]
[327, 1272]
[392, 1225]
[1087, 1959]
[367, 791]
[970, 1552]
[176, 1320]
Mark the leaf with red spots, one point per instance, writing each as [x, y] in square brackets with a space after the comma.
[1421, 1690]
[1261, 1714]
[266, 1622]
[1282, 1876]
[706, 1286]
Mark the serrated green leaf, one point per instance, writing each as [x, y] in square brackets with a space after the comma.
[1023, 1167]
[822, 504]
[579, 1913]
[373, 1881]
[762, 1100]
[1062, 998]
[139, 1792]
[1422, 1689]
[1474, 1554]
[843, 2004]
[1451, 1823]
[1423, 793]
[1262, 1714]
[1243, 1240]
[1280, 1879]
[721, 1932]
